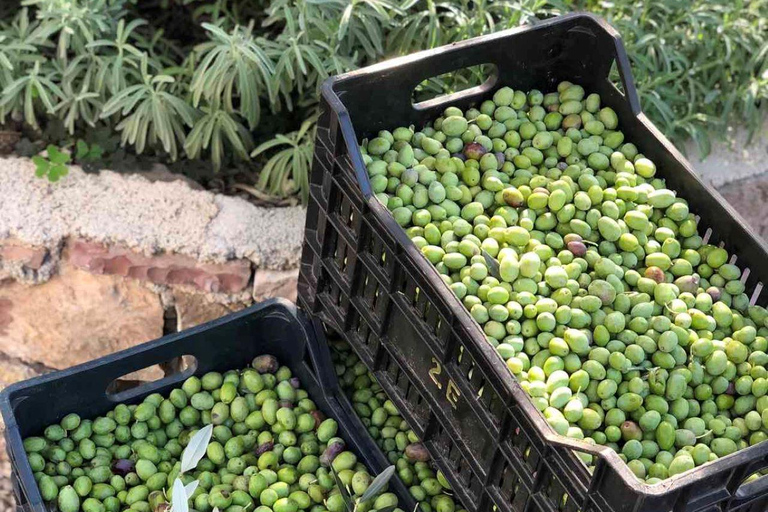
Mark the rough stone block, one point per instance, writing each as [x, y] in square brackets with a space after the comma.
[275, 283]
[75, 317]
[193, 309]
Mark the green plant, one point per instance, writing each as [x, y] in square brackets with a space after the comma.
[697, 66]
[287, 170]
[151, 114]
[214, 68]
[53, 166]
[26, 91]
[86, 153]
[233, 67]
[122, 63]
[215, 130]
[80, 102]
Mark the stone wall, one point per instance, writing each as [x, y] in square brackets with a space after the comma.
[99, 263]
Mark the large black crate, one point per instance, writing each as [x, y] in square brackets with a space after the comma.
[363, 277]
[274, 327]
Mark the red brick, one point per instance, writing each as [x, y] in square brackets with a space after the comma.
[12, 251]
[168, 269]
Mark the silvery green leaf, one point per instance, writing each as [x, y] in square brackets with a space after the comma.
[493, 265]
[345, 496]
[190, 487]
[378, 484]
[195, 450]
[179, 497]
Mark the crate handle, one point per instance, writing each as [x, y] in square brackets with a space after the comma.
[175, 370]
[749, 491]
[392, 82]
[452, 98]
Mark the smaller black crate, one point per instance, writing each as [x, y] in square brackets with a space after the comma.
[274, 327]
[362, 276]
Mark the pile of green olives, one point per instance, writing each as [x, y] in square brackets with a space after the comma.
[586, 273]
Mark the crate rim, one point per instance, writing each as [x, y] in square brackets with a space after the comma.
[6, 394]
[606, 456]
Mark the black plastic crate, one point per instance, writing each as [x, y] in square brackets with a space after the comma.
[274, 327]
[362, 276]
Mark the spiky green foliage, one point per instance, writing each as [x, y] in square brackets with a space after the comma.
[201, 79]
[291, 151]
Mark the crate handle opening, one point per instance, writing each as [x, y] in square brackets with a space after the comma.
[489, 73]
[748, 491]
[146, 379]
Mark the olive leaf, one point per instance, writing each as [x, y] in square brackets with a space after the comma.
[378, 484]
[196, 448]
[345, 496]
[179, 497]
[493, 265]
[189, 489]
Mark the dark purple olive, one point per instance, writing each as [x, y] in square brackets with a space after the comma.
[474, 151]
[656, 274]
[331, 452]
[417, 452]
[562, 166]
[572, 237]
[264, 447]
[715, 293]
[731, 389]
[460, 156]
[287, 404]
[319, 417]
[122, 467]
[500, 158]
[265, 364]
[577, 248]
[295, 382]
